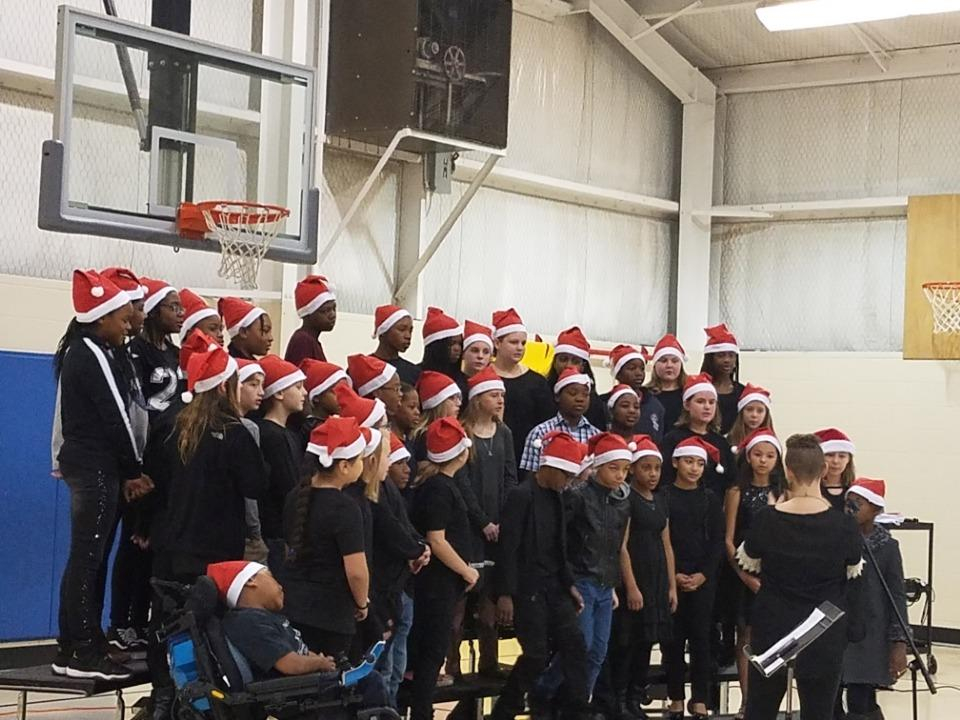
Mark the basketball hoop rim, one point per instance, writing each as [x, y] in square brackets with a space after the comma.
[274, 213]
[941, 285]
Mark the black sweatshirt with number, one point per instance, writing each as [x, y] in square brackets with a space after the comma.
[159, 372]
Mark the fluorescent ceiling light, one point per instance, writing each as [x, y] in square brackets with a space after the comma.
[779, 15]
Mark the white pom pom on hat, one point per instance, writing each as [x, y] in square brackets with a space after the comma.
[97, 291]
[538, 443]
[632, 445]
[187, 397]
[720, 469]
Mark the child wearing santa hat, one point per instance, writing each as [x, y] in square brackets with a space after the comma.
[721, 361]
[443, 346]
[839, 473]
[628, 367]
[393, 331]
[372, 377]
[572, 350]
[668, 378]
[316, 305]
[440, 397]
[198, 315]
[753, 413]
[153, 353]
[248, 326]
[477, 347]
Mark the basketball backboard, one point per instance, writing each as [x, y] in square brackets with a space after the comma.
[147, 118]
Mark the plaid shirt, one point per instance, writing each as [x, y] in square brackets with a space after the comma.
[530, 459]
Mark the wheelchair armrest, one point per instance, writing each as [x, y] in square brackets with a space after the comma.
[311, 684]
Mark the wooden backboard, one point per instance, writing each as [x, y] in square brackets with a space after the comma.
[933, 254]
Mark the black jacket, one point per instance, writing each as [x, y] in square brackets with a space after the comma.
[395, 542]
[596, 525]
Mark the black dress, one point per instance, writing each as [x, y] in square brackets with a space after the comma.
[527, 403]
[753, 500]
[727, 404]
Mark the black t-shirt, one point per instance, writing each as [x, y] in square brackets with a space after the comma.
[263, 638]
[527, 403]
[314, 581]
[409, 372]
[696, 529]
[281, 450]
[727, 405]
[158, 371]
[672, 401]
[440, 506]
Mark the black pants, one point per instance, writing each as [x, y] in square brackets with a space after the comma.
[817, 695]
[545, 622]
[861, 699]
[325, 642]
[433, 609]
[692, 623]
[630, 666]
[94, 497]
[130, 582]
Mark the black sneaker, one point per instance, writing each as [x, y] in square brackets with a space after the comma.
[60, 662]
[97, 667]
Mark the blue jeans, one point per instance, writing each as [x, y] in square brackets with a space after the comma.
[595, 625]
[393, 662]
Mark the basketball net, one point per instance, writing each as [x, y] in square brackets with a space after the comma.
[944, 299]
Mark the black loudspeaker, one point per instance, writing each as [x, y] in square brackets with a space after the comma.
[441, 66]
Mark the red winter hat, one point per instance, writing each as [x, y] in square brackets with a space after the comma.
[95, 296]
[198, 341]
[438, 325]
[434, 388]
[561, 450]
[278, 375]
[336, 438]
[321, 376]
[697, 447]
[386, 316]
[646, 447]
[573, 342]
[195, 309]
[701, 383]
[506, 322]
[753, 393]
[618, 392]
[874, 491]
[607, 447]
[474, 332]
[207, 371]
[312, 292]
[398, 451]
[622, 354]
[832, 440]
[669, 345]
[366, 411]
[446, 440]
[571, 376]
[156, 291]
[246, 369]
[230, 578]
[126, 281]
[368, 373]
[372, 437]
[238, 314]
[720, 339]
[484, 381]
[761, 435]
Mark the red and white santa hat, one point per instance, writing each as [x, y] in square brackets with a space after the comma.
[573, 342]
[312, 292]
[95, 296]
[238, 314]
[368, 373]
[607, 447]
[474, 332]
[761, 435]
[127, 281]
[398, 451]
[701, 383]
[646, 447]
[369, 412]
[834, 441]
[753, 393]
[321, 376]
[373, 438]
[156, 291]
[438, 326]
[484, 381]
[618, 392]
[571, 376]
[207, 371]
[720, 339]
[198, 341]
[246, 369]
[278, 375]
[506, 322]
[873, 491]
[195, 309]
[434, 388]
[622, 354]
[386, 316]
[446, 440]
[230, 578]
[669, 346]
[561, 450]
[695, 446]
[336, 438]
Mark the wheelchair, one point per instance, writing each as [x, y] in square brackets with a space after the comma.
[214, 681]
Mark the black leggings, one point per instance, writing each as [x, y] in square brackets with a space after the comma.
[861, 699]
[429, 640]
[817, 695]
[692, 624]
[130, 582]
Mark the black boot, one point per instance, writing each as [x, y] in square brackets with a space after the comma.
[637, 697]
[622, 707]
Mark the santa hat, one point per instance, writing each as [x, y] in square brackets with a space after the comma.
[573, 342]
[207, 371]
[607, 447]
[198, 341]
[231, 576]
[195, 309]
[698, 447]
[618, 392]
[833, 441]
[126, 281]
[761, 435]
[474, 332]
[622, 354]
[336, 438]
[561, 450]
[278, 375]
[156, 291]
[434, 388]
[95, 296]
[366, 411]
[372, 437]
[701, 383]
[668, 346]
[571, 376]
[438, 325]
[398, 451]
[506, 322]
[874, 491]
[238, 314]
[386, 316]
[368, 373]
[646, 447]
[312, 292]
[446, 440]
[246, 369]
[321, 376]
[484, 381]
[753, 393]
[720, 339]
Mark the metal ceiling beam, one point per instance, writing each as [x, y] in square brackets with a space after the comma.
[659, 9]
[548, 10]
